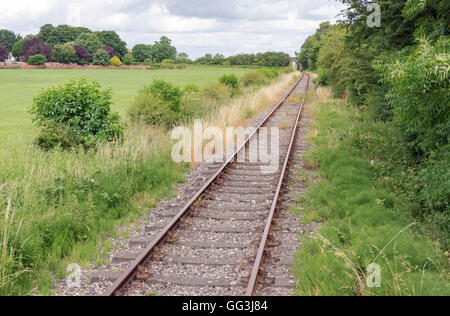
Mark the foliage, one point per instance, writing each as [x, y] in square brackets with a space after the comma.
[270, 73]
[310, 49]
[9, 39]
[141, 52]
[82, 54]
[365, 223]
[215, 91]
[17, 50]
[128, 59]
[101, 58]
[112, 39]
[253, 79]
[163, 50]
[110, 51]
[418, 91]
[80, 109]
[61, 34]
[64, 53]
[230, 80]
[159, 104]
[115, 61]
[37, 60]
[4, 53]
[33, 46]
[90, 41]
[242, 59]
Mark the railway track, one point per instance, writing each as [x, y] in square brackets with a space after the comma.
[223, 240]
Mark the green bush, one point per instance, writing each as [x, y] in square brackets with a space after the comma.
[65, 54]
[128, 59]
[77, 113]
[101, 58]
[37, 60]
[270, 73]
[159, 104]
[190, 88]
[253, 79]
[231, 81]
[215, 91]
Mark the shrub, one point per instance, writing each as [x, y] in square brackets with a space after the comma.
[215, 91]
[4, 53]
[33, 46]
[65, 54]
[115, 61]
[77, 113]
[101, 58]
[253, 79]
[230, 80]
[110, 51]
[17, 49]
[37, 60]
[90, 41]
[128, 59]
[191, 88]
[141, 52]
[270, 73]
[159, 104]
[82, 54]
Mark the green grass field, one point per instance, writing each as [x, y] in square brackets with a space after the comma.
[19, 86]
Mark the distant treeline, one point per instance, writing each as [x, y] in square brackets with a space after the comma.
[67, 44]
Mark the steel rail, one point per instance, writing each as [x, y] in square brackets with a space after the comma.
[262, 247]
[129, 274]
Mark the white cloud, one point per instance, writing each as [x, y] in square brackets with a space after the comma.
[196, 26]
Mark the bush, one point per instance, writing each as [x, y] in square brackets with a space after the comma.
[230, 80]
[101, 58]
[215, 91]
[191, 88]
[253, 79]
[65, 54]
[77, 113]
[37, 60]
[4, 53]
[159, 104]
[82, 54]
[33, 46]
[270, 73]
[128, 59]
[115, 61]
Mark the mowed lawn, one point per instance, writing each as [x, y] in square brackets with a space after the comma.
[19, 86]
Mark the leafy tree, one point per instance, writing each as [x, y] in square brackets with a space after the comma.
[82, 54]
[101, 58]
[242, 59]
[17, 50]
[141, 52]
[78, 113]
[8, 39]
[205, 60]
[65, 54]
[33, 46]
[37, 60]
[4, 53]
[128, 59]
[163, 50]
[90, 42]
[310, 49]
[110, 51]
[112, 39]
[61, 34]
[273, 59]
[418, 90]
[183, 58]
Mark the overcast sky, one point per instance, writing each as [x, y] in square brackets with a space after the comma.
[195, 26]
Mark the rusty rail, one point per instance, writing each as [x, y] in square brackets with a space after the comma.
[262, 247]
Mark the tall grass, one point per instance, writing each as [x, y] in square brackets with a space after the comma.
[362, 222]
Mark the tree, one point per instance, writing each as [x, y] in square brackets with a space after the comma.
[310, 49]
[65, 54]
[4, 53]
[17, 50]
[112, 39]
[8, 39]
[141, 52]
[163, 50]
[183, 58]
[110, 51]
[101, 58]
[82, 54]
[128, 59]
[90, 42]
[61, 34]
[205, 60]
[33, 46]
